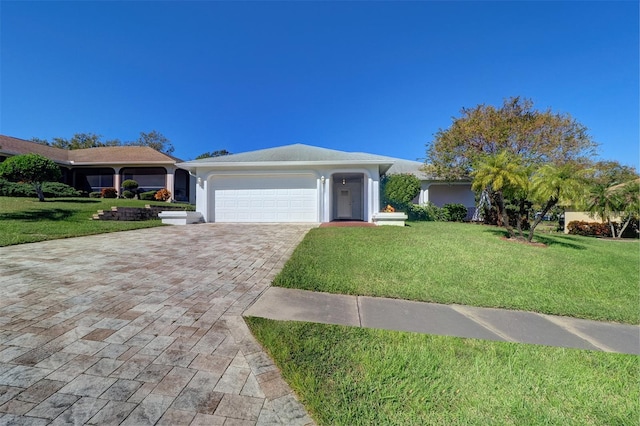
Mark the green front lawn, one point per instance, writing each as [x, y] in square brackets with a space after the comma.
[470, 264]
[356, 376]
[26, 220]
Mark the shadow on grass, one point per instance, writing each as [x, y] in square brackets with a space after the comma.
[74, 201]
[35, 215]
[560, 240]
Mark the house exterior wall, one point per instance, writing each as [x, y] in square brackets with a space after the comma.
[447, 193]
[368, 191]
[572, 216]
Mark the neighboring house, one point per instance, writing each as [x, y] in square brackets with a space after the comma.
[301, 183]
[93, 169]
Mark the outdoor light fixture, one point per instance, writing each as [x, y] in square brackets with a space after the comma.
[322, 180]
[344, 181]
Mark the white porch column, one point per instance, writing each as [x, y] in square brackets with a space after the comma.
[425, 194]
[375, 199]
[117, 179]
[202, 201]
[170, 181]
[328, 186]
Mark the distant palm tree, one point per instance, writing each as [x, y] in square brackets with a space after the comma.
[500, 174]
[618, 201]
[552, 185]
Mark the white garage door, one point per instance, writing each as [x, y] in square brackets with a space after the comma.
[293, 198]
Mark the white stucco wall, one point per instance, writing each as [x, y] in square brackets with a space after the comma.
[370, 204]
[447, 193]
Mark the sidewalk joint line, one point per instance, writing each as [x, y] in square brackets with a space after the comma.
[571, 329]
[466, 313]
[358, 310]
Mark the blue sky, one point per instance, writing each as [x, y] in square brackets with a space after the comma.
[379, 77]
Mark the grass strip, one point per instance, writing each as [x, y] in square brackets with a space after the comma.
[472, 265]
[356, 376]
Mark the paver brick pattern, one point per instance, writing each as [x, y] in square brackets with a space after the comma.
[142, 327]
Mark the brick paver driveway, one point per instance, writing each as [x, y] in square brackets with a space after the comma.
[142, 327]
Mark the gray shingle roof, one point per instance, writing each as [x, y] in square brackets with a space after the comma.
[301, 153]
[407, 166]
[294, 153]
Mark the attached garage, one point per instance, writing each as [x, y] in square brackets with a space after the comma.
[292, 183]
[264, 198]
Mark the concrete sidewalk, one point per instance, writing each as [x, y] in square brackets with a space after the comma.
[450, 320]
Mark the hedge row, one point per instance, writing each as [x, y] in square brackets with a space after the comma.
[597, 229]
[50, 189]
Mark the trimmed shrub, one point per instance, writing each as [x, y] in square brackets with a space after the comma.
[109, 193]
[16, 189]
[128, 194]
[57, 189]
[399, 190]
[95, 194]
[425, 212]
[147, 196]
[589, 229]
[50, 189]
[130, 185]
[455, 212]
[162, 195]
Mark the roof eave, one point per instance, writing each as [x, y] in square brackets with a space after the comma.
[190, 165]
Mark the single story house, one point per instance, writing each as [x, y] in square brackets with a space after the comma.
[301, 183]
[93, 169]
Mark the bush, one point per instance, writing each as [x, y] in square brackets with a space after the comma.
[162, 195]
[109, 193]
[400, 190]
[57, 189]
[128, 194]
[130, 185]
[425, 212]
[589, 229]
[95, 195]
[15, 189]
[50, 189]
[147, 196]
[455, 212]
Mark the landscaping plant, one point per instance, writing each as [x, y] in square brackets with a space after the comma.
[399, 190]
[33, 169]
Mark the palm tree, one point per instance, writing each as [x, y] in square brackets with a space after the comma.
[552, 185]
[500, 174]
[620, 200]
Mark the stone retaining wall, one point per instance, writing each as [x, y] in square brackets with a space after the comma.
[133, 213]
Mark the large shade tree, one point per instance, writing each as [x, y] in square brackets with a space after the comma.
[515, 130]
[536, 136]
[30, 168]
[152, 139]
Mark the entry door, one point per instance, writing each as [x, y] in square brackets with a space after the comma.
[344, 204]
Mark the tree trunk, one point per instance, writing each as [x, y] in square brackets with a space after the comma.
[39, 193]
[522, 216]
[503, 212]
[613, 228]
[550, 203]
[626, 223]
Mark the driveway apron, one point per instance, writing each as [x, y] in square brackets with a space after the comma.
[142, 327]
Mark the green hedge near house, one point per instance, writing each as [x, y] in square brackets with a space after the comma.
[50, 189]
[148, 196]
